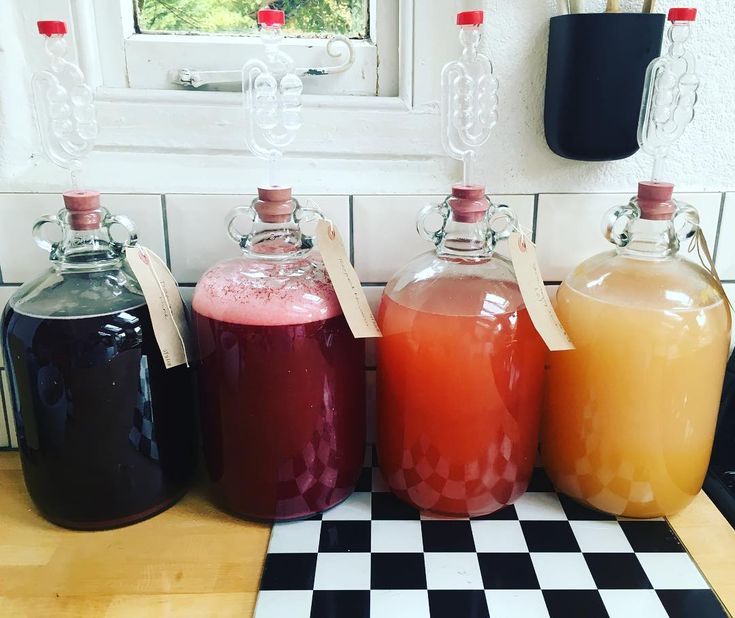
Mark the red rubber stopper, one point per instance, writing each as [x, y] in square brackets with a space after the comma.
[468, 203]
[83, 207]
[274, 204]
[470, 18]
[682, 14]
[654, 200]
[49, 28]
[271, 17]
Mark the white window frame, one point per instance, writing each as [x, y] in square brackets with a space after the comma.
[149, 60]
[163, 140]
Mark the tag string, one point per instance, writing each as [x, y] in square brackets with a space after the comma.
[165, 300]
[699, 242]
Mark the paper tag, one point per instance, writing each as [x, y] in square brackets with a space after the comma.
[705, 256]
[346, 283]
[533, 290]
[165, 305]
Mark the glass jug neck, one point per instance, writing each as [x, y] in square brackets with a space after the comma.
[463, 239]
[275, 239]
[651, 238]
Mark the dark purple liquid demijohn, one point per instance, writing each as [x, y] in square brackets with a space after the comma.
[283, 414]
[107, 434]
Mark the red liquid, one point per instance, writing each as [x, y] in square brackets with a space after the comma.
[283, 414]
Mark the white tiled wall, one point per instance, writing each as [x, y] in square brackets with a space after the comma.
[380, 230]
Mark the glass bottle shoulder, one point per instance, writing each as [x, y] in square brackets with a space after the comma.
[455, 286]
[664, 284]
[64, 293]
[267, 291]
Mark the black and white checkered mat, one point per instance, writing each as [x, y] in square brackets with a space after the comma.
[374, 556]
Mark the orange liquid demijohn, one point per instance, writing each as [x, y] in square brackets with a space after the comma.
[460, 374]
[631, 412]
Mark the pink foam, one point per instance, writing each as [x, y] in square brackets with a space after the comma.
[229, 293]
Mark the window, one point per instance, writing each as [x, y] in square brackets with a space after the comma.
[160, 38]
[310, 18]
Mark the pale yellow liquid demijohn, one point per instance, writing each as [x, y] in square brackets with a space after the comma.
[630, 414]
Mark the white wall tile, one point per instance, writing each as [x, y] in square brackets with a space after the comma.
[21, 259]
[373, 294]
[7, 435]
[198, 238]
[726, 247]
[568, 227]
[385, 230]
[5, 293]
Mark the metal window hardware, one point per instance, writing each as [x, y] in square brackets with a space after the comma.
[337, 47]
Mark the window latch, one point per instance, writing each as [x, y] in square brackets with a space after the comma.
[338, 46]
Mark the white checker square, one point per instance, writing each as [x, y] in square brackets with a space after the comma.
[396, 536]
[498, 536]
[399, 604]
[600, 536]
[356, 508]
[562, 571]
[295, 537]
[452, 571]
[342, 571]
[633, 604]
[539, 506]
[279, 603]
[516, 604]
[671, 571]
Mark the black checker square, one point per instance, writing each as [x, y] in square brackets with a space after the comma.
[507, 571]
[345, 536]
[503, 572]
[576, 511]
[387, 506]
[458, 604]
[691, 604]
[399, 571]
[447, 535]
[507, 513]
[575, 604]
[556, 536]
[288, 572]
[617, 571]
[651, 536]
[540, 481]
[340, 603]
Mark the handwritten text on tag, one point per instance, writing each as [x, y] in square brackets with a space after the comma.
[533, 290]
[346, 283]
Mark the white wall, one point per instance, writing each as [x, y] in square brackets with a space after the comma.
[516, 159]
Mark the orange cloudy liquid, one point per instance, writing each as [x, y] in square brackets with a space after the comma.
[458, 395]
[630, 414]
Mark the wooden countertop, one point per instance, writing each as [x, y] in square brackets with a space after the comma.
[191, 560]
[194, 560]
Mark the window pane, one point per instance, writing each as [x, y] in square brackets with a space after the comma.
[303, 17]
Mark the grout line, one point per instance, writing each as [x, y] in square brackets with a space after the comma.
[164, 214]
[4, 400]
[535, 217]
[352, 231]
[719, 227]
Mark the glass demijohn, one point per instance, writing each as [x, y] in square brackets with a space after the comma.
[460, 365]
[630, 413]
[107, 435]
[282, 377]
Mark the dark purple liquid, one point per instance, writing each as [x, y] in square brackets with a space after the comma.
[107, 434]
[283, 414]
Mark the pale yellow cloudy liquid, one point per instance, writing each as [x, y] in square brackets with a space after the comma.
[630, 414]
